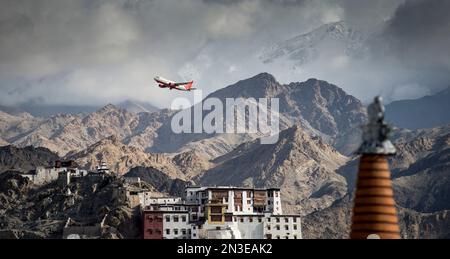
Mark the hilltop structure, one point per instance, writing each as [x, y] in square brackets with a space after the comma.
[374, 212]
[220, 213]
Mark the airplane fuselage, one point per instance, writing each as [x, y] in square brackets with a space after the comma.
[166, 83]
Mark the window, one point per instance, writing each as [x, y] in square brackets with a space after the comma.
[183, 218]
[183, 231]
[158, 232]
[150, 219]
[159, 219]
[150, 231]
[268, 219]
[295, 236]
[278, 220]
[286, 220]
[278, 227]
[250, 219]
[175, 231]
[249, 201]
[167, 218]
[268, 202]
[259, 220]
[242, 219]
[216, 210]
[268, 227]
[286, 227]
[216, 218]
[228, 218]
[168, 231]
[294, 219]
[286, 237]
[295, 227]
[278, 237]
[175, 219]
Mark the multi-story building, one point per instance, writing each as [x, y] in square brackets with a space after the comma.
[166, 218]
[222, 212]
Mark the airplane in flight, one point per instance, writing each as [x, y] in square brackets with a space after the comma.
[165, 83]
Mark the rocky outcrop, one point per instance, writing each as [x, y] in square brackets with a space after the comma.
[25, 159]
[159, 180]
[3, 143]
[29, 212]
[121, 158]
[192, 163]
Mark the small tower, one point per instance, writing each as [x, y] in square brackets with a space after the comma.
[103, 168]
[374, 212]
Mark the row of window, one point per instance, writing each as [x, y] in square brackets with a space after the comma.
[154, 231]
[175, 218]
[259, 219]
[177, 231]
[278, 219]
[279, 237]
[152, 218]
[286, 227]
[168, 218]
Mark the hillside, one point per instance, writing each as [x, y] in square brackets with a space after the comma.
[432, 111]
[303, 166]
[25, 159]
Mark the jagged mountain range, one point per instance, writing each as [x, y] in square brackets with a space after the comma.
[321, 108]
[313, 160]
[37, 109]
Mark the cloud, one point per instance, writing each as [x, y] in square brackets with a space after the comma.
[419, 34]
[95, 52]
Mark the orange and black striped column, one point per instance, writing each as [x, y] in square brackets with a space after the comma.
[374, 212]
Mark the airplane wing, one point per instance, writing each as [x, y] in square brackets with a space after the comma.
[184, 83]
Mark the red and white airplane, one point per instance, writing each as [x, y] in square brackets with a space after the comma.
[165, 83]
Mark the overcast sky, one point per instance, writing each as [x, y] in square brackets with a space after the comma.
[98, 51]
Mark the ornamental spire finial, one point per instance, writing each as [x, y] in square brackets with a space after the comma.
[376, 131]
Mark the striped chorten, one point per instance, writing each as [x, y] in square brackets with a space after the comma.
[374, 211]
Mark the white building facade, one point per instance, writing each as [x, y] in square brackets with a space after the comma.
[226, 212]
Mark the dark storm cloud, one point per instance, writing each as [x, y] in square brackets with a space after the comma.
[419, 33]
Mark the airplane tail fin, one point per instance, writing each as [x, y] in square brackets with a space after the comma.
[189, 85]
